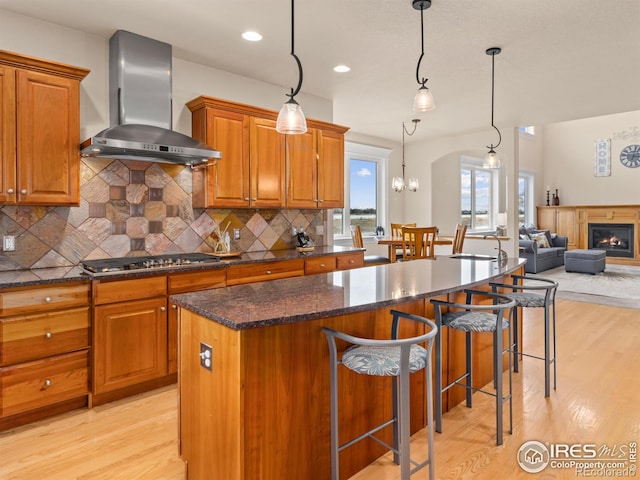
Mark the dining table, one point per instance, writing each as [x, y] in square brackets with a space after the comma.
[396, 242]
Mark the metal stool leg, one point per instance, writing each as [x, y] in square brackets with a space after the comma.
[333, 383]
[547, 359]
[516, 341]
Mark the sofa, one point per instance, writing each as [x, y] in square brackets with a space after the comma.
[542, 249]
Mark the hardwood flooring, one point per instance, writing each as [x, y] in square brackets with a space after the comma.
[597, 401]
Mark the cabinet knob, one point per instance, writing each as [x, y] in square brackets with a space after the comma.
[163, 309]
[174, 306]
[246, 199]
[322, 265]
[352, 261]
[320, 200]
[47, 383]
[48, 335]
[10, 190]
[47, 299]
[268, 272]
[23, 191]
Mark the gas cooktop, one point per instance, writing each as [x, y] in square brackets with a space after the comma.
[106, 265]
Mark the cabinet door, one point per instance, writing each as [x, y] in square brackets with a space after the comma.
[267, 164]
[48, 120]
[130, 343]
[302, 160]
[7, 135]
[330, 170]
[567, 226]
[547, 219]
[228, 181]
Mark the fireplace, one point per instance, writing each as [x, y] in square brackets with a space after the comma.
[615, 238]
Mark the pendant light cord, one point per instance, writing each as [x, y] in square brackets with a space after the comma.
[493, 68]
[404, 130]
[424, 80]
[297, 89]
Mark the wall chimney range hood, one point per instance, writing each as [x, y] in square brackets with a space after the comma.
[140, 108]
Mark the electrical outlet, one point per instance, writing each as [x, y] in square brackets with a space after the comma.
[236, 234]
[8, 243]
[206, 356]
[319, 229]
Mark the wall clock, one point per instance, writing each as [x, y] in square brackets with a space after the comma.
[630, 156]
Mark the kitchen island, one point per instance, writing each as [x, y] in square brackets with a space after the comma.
[261, 408]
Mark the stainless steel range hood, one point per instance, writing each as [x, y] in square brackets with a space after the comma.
[140, 107]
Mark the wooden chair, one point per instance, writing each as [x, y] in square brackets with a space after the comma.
[418, 242]
[396, 232]
[369, 260]
[458, 238]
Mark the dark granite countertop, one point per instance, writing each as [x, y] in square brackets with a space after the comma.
[42, 276]
[315, 296]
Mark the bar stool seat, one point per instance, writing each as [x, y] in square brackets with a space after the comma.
[475, 318]
[538, 292]
[397, 358]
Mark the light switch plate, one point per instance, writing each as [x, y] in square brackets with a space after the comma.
[319, 229]
[8, 243]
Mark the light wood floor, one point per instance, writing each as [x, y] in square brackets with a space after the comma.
[597, 401]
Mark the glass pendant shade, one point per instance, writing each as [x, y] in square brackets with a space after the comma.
[291, 119]
[491, 160]
[423, 101]
[413, 185]
[398, 184]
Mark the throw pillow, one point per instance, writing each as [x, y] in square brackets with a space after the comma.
[547, 233]
[541, 239]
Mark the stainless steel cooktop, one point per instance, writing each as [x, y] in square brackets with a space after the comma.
[106, 265]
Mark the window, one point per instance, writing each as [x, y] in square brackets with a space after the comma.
[525, 199]
[530, 130]
[477, 203]
[365, 200]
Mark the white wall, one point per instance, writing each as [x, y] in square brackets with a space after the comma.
[33, 37]
[568, 163]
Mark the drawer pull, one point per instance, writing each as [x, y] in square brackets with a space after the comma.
[268, 272]
[47, 383]
[174, 306]
[47, 299]
[23, 191]
[162, 309]
[48, 335]
[352, 261]
[322, 265]
[10, 190]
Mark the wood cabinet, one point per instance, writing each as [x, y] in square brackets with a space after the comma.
[560, 220]
[259, 272]
[39, 131]
[348, 261]
[44, 351]
[261, 168]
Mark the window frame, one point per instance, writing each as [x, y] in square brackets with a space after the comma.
[475, 165]
[378, 155]
[529, 200]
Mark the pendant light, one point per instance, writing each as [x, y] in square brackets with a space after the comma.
[398, 183]
[423, 101]
[491, 159]
[291, 119]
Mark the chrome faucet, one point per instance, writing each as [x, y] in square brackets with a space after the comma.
[502, 255]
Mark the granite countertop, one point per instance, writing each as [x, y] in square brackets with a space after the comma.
[43, 276]
[315, 296]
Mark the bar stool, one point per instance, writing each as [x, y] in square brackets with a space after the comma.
[397, 357]
[471, 318]
[523, 296]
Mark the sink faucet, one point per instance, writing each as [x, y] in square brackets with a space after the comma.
[502, 255]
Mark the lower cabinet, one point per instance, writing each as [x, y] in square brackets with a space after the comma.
[44, 351]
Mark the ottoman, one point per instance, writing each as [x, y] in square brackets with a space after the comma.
[585, 261]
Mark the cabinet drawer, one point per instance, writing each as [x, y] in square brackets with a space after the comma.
[191, 282]
[319, 265]
[122, 290]
[38, 299]
[29, 337]
[350, 260]
[265, 271]
[35, 384]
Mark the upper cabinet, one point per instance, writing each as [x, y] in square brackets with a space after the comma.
[39, 131]
[261, 168]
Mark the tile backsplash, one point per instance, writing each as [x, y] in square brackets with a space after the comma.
[132, 208]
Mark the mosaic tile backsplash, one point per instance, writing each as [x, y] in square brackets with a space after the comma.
[131, 208]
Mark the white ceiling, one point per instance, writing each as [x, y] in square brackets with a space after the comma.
[561, 59]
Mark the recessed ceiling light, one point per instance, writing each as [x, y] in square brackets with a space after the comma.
[341, 68]
[252, 36]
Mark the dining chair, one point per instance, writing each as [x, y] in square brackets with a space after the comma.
[418, 242]
[396, 232]
[458, 238]
[358, 242]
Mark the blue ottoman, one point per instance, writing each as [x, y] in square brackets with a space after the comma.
[585, 261]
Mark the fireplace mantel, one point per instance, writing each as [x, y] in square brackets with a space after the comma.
[573, 221]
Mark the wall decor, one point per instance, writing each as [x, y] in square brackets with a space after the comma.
[602, 166]
[632, 133]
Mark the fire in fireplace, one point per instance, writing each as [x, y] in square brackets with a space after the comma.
[615, 238]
